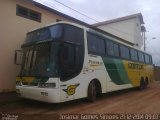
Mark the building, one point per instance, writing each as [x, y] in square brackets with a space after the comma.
[17, 18]
[130, 28]
[156, 73]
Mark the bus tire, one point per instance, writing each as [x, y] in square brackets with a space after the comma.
[142, 84]
[92, 91]
[146, 82]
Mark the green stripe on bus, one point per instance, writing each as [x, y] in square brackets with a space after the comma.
[122, 71]
[116, 71]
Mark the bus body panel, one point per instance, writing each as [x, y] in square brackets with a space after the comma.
[111, 72]
[39, 94]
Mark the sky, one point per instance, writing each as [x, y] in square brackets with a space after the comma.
[102, 10]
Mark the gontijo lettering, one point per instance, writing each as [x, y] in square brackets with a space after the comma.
[135, 66]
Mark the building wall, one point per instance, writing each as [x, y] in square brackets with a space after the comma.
[129, 30]
[157, 73]
[138, 39]
[12, 34]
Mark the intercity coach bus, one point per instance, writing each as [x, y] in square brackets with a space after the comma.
[66, 61]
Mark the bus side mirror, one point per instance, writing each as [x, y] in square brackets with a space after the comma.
[18, 57]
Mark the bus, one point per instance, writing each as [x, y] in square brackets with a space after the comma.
[66, 61]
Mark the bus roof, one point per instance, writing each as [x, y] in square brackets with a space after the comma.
[88, 26]
[93, 29]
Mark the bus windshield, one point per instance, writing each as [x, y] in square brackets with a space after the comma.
[44, 34]
[37, 61]
[59, 32]
[52, 50]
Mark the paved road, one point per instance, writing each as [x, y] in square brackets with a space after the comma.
[127, 101]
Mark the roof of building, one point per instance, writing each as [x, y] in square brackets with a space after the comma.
[74, 20]
[56, 12]
[139, 15]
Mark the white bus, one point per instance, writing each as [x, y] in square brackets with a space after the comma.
[66, 61]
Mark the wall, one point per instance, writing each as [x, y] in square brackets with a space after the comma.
[157, 73]
[12, 33]
[129, 30]
[137, 34]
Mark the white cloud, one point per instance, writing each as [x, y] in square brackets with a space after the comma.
[77, 1]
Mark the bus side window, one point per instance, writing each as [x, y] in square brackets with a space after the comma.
[116, 50]
[64, 59]
[134, 55]
[150, 59]
[124, 52]
[110, 48]
[71, 60]
[100, 46]
[141, 56]
[92, 43]
[63, 54]
[147, 58]
[73, 34]
[96, 45]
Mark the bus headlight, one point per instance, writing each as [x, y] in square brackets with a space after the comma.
[46, 85]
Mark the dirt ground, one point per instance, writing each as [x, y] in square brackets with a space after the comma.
[130, 101]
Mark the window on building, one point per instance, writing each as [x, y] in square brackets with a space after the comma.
[28, 13]
[124, 52]
[141, 56]
[58, 20]
[134, 55]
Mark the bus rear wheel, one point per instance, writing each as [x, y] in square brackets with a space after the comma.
[142, 84]
[146, 82]
[92, 91]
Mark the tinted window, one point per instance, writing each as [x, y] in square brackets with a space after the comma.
[70, 60]
[134, 55]
[112, 49]
[73, 34]
[44, 34]
[150, 59]
[124, 52]
[92, 44]
[36, 61]
[101, 46]
[56, 31]
[95, 44]
[116, 50]
[141, 56]
[147, 58]
[38, 35]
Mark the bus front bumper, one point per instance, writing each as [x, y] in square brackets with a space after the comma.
[39, 94]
